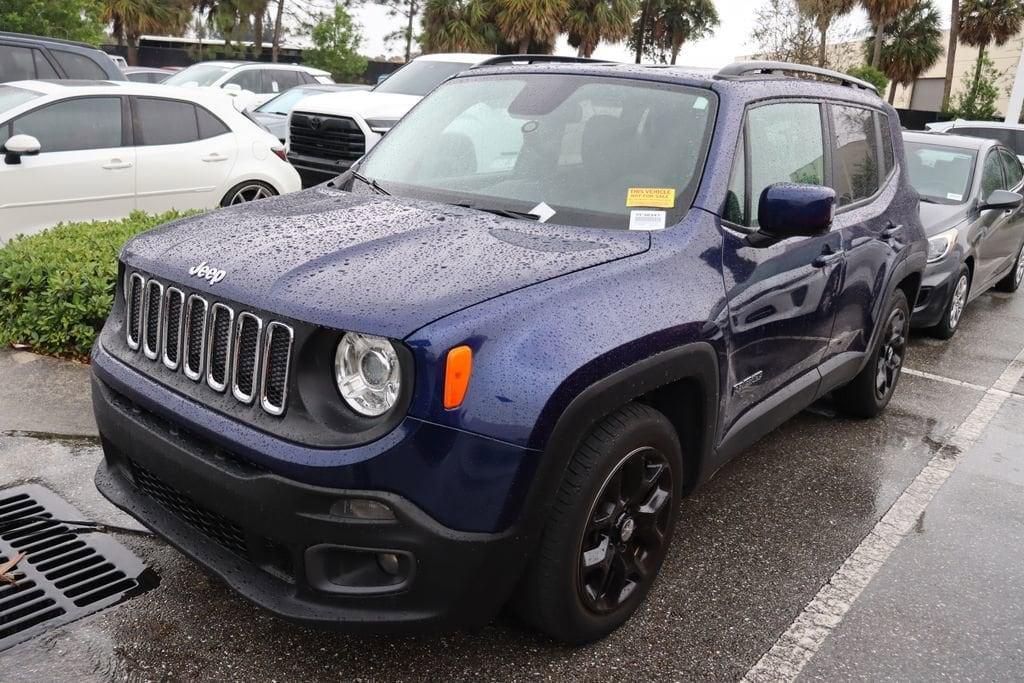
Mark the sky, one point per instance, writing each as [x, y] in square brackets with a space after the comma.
[731, 39]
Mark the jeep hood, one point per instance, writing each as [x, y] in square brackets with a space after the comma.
[368, 263]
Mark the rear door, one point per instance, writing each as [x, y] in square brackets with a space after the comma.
[85, 169]
[782, 298]
[185, 155]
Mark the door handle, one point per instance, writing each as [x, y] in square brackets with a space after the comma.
[827, 258]
[214, 157]
[891, 232]
[117, 164]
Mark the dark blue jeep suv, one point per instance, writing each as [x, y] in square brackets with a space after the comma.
[483, 366]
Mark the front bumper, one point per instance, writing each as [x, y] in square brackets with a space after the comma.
[281, 543]
[933, 297]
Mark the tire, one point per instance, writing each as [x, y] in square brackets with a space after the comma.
[249, 191]
[1012, 281]
[870, 391]
[635, 450]
[953, 312]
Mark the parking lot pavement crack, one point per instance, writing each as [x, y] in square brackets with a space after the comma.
[795, 648]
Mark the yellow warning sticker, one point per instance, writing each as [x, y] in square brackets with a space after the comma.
[658, 197]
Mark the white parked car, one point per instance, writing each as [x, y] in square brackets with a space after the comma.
[1009, 134]
[76, 150]
[328, 133]
[252, 82]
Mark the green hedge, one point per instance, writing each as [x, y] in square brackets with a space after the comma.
[56, 287]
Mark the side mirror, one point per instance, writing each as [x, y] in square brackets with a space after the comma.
[789, 210]
[1002, 199]
[19, 146]
[382, 78]
[232, 89]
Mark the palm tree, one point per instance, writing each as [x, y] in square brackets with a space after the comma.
[664, 25]
[457, 26]
[823, 13]
[529, 22]
[881, 12]
[954, 38]
[912, 44]
[133, 18]
[984, 22]
[591, 21]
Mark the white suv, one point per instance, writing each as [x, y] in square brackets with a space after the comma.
[328, 133]
[252, 82]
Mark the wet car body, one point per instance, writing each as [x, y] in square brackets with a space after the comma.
[727, 332]
[988, 241]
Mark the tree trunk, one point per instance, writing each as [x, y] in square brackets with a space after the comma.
[408, 31]
[876, 56]
[977, 73]
[954, 37]
[257, 29]
[276, 48]
[892, 91]
[581, 51]
[822, 49]
[641, 25]
[524, 46]
[133, 49]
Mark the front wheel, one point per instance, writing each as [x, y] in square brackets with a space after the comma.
[950, 322]
[249, 191]
[608, 530]
[870, 391]
[1012, 281]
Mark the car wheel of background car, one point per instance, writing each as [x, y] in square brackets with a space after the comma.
[954, 307]
[869, 392]
[608, 528]
[1012, 281]
[248, 191]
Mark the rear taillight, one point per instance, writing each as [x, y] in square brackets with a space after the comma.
[281, 153]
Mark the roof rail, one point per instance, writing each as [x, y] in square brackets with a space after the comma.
[538, 59]
[738, 69]
[45, 39]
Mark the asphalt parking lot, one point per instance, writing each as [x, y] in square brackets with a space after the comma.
[834, 548]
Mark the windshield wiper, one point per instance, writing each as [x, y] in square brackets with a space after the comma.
[929, 200]
[367, 181]
[507, 213]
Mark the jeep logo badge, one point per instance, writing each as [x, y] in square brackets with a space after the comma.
[211, 275]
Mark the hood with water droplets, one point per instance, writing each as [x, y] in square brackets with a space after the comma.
[374, 264]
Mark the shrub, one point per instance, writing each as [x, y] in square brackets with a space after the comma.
[56, 287]
[872, 75]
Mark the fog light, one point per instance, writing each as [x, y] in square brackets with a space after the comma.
[361, 508]
[388, 563]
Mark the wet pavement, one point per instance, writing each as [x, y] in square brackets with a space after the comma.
[754, 547]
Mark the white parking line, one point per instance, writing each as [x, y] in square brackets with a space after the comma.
[1006, 393]
[804, 637]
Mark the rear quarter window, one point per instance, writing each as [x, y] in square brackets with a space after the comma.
[79, 66]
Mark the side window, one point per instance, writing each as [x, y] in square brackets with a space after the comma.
[991, 175]
[1003, 135]
[79, 66]
[280, 80]
[888, 158]
[209, 125]
[736, 197]
[165, 122]
[248, 80]
[785, 146]
[85, 123]
[856, 155]
[1012, 169]
[16, 63]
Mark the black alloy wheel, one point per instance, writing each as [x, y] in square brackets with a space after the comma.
[890, 357]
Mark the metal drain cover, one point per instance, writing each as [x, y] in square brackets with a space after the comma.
[67, 571]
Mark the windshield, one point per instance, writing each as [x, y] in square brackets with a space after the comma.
[420, 77]
[578, 150]
[940, 174]
[198, 75]
[11, 97]
[283, 103]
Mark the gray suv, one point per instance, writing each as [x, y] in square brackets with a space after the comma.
[25, 58]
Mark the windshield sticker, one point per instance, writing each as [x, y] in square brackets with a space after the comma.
[657, 197]
[954, 196]
[646, 220]
[543, 212]
[700, 103]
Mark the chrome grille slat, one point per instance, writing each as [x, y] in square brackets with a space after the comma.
[276, 360]
[245, 362]
[152, 308]
[218, 346]
[209, 342]
[196, 313]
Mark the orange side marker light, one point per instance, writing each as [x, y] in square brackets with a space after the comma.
[457, 370]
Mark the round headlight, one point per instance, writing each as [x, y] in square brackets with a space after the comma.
[367, 372]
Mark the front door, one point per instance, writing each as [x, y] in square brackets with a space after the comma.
[782, 298]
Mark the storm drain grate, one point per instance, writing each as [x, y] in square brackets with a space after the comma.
[68, 570]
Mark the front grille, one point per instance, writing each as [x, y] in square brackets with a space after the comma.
[212, 525]
[204, 340]
[331, 138]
